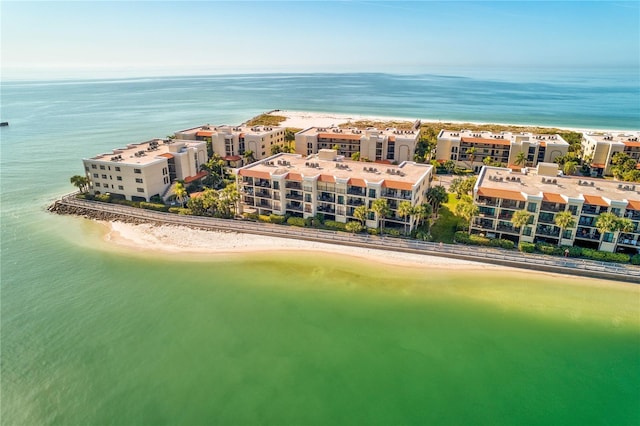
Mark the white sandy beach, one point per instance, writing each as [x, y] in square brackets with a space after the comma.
[179, 239]
[305, 119]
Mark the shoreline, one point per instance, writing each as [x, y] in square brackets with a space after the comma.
[305, 119]
[184, 240]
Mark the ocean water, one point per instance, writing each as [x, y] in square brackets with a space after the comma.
[94, 336]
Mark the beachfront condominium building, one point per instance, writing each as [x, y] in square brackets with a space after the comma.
[469, 149]
[381, 145]
[544, 192]
[232, 142]
[327, 183]
[144, 170]
[598, 149]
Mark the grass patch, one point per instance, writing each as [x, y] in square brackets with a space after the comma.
[444, 228]
[266, 120]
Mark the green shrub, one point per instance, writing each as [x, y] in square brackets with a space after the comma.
[477, 240]
[154, 206]
[354, 227]
[391, 231]
[277, 219]
[308, 222]
[505, 244]
[179, 210]
[125, 202]
[372, 231]
[296, 221]
[264, 218]
[526, 247]
[574, 251]
[605, 256]
[424, 236]
[461, 237]
[635, 260]
[547, 248]
[105, 198]
[156, 199]
[250, 216]
[332, 224]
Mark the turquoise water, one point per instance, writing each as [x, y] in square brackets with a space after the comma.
[90, 336]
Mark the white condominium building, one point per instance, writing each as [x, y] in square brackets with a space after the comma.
[327, 183]
[543, 192]
[599, 149]
[231, 142]
[503, 147]
[386, 145]
[141, 171]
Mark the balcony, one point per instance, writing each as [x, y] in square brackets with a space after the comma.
[402, 194]
[506, 227]
[589, 209]
[586, 221]
[629, 240]
[511, 204]
[546, 218]
[505, 215]
[294, 207]
[293, 185]
[632, 214]
[548, 230]
[263, 183]
[486, 212]
[293, 195]
[355, 201]
[326, 197]
[326, 209]
[264, 203]
[263, 194]
[483, 223]
[487, 201]
[588, 234]
[355, 190]
[552, 207]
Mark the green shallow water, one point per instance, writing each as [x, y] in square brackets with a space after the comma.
[97, 337]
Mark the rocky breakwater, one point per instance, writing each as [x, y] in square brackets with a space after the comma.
[60, 207]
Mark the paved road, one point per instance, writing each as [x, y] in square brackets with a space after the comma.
[583, 267]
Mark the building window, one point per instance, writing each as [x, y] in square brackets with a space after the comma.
[532, 207]
[97, 185]
[138, 171]
[372, 193]
[276, 185]
[117, 168]
[527, 231]
[119, 177]
[104, 176]
[138, 180]
[93, 166]
[616, 211]
[567, 234]
[164, 171]
[101, 167]
[140, 189]
[121, 188]
[573, 210]
[608, 237]
[95, 175]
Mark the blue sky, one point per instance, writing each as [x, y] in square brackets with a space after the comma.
[184, 38]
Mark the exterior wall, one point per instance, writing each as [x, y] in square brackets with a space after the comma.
[123, 179]
[495, 215]
[335, 200]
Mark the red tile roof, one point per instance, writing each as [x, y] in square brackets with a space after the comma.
[553, 198]
[327, 178]
[190, 179]
[489, 141]
[204, 133]
[232, 158]
[357, 182]
[598, 165]
[394, 184]
[501, 193]
[294, 176]
[634, 205]
[254, 173]
[632, 143]
[595, 200]
[166, 155]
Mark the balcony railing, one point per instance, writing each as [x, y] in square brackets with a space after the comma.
[355, 201]
[551, 207]
[487, 201]
[632, 214]
[327, 198]
[263, 194]
[588, 234]
[293, 196]
[326, 209]
[510, 204]
[589, 210]
[551, 231]
[297, 208]
[293, 185]
[356, 191]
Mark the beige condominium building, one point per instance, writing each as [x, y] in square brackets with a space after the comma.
[502, 147]
[381, 145]
[599, 149]
[543, 192]
[141, 171]
[327, 183]
[231, 142]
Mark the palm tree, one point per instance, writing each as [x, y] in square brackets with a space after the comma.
[466, 209]
[471, 153]
[487, 161]
[569, 168]
[607, 222]
[355, 156]
[353, 227]
[249, 156]
[181, 193]
[564, 220]
[80, 182]
[405, 209]
[521, 158]
[520, 219]
[436, 196]
[229, 197]
[422, 212]
[361, 213]
[381, 209]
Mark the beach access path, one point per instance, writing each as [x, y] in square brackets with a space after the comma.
[509, 258]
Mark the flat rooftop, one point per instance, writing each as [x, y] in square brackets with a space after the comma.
[497, 138]
[145, 152]
[297, 167]
[208, 130]
[500, 182]
[629, 139]
[356, 134]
